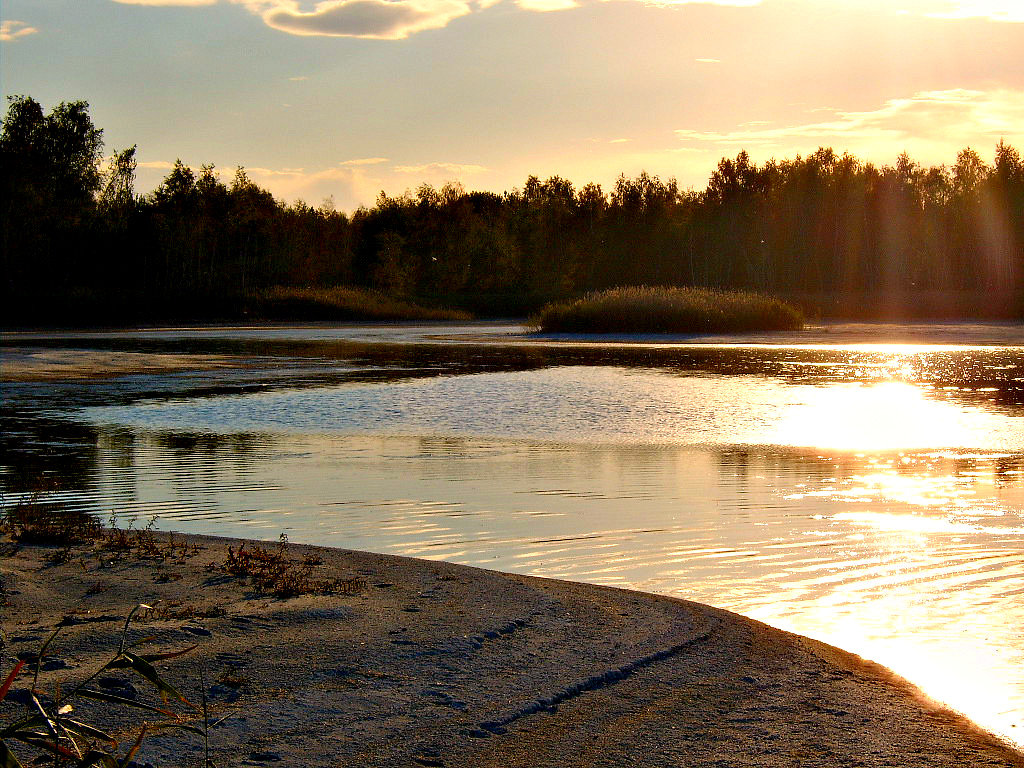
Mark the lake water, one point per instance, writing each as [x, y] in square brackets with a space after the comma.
[832, 483]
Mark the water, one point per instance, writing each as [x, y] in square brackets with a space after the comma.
[867, 494]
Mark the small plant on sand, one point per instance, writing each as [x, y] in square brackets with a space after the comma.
[144, 542]
[273, 572]
[37, 518]
[644, 309]
[54, 728]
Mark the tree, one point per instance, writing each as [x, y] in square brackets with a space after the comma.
[178, 188]
[50, 166]
[117, 196]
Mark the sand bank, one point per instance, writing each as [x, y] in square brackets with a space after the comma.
[430, 664]
[25, 364]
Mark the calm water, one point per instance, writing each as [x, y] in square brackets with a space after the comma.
[867, 494]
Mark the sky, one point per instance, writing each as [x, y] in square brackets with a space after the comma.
[346, 98]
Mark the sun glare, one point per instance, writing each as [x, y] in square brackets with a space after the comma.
[879, 417]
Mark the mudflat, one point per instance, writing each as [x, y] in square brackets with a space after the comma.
[422, 663]
[35, 364]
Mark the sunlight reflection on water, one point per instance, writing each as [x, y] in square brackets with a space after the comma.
[603, 404]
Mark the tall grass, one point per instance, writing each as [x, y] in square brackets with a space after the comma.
[342, 303]
[644, 309]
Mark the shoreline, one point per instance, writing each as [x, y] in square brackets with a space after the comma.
[430, 663]
[41, 356]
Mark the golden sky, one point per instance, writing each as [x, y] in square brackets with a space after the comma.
[345, 98]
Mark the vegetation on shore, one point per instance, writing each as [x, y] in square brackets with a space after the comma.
[849, 234]
[645, 309]
[75, 307]
[97, 717]
[341, 303]
[69, 725]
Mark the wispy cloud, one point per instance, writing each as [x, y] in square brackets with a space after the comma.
[729, 3]
[398, 19]
[546, 6]
[375, 19]
[188, 3]
[994, 10]
[392, 19]
[708, 61]
[364, 161]
[15, 30]
[955, 115]
[352, 182]
[456, 169]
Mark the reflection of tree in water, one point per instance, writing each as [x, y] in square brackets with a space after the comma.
[34, 446]
[210, 443]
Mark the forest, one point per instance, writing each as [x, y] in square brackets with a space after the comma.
[840, 236]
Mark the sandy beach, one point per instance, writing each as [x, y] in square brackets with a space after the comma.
[415, 662]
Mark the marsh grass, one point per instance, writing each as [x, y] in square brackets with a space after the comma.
[342, 303]
[644, 309]
[271, 571]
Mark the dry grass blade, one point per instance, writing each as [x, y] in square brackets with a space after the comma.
[10, 679]
[147, 671]
[60, 739]
[109, 698]
[7, 758]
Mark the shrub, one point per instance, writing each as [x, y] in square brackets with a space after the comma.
[271, 571]
[644, 309]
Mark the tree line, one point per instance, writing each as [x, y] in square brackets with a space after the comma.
[825, 227]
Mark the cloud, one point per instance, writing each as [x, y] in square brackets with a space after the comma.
[441, 168]
[13, 30]
[391, 19]
[189, 3]
[376, 19]
[993, 10]
[545, 6]
[298, 79]
[398, 19]
[364, 161]
[351, 182]
[708, 61]
[956, 116]
[728, 3]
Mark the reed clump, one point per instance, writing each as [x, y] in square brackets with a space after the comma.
[646, 309]
[343, 303]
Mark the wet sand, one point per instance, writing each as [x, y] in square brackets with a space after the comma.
[429, 663]
[36, 364]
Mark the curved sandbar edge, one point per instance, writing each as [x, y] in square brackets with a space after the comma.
[420, 662]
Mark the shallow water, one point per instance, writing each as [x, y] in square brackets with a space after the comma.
[865, 494]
